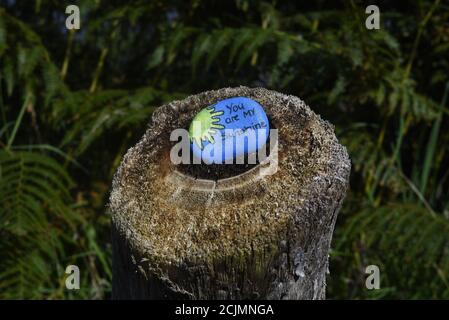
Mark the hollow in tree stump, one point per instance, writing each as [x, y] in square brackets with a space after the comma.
[180, 234]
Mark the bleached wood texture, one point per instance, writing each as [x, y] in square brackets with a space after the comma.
[245, 237]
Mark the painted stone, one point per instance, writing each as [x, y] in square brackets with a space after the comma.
[228, 129]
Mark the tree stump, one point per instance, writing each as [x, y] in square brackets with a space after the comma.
[239, 236]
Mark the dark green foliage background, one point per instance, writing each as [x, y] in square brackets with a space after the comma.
[72, 103]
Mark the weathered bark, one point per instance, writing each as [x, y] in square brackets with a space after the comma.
[245, 237]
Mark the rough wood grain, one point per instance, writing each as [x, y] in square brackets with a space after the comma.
[246, 237]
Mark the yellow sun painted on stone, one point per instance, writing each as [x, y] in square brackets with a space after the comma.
[205, 125]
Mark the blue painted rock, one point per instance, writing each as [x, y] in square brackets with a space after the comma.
[228, 129]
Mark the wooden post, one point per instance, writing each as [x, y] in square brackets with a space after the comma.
[249, 236]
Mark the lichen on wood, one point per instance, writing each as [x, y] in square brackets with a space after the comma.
[247, 236]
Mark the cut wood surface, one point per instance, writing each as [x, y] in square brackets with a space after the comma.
[247, 236]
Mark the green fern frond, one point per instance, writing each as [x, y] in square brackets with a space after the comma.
[35, 197]
[34, 191]
[31, 67]
[401, 234]
[110, 110]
